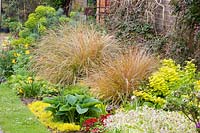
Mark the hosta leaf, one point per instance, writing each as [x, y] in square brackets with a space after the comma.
[60, 113]
[81, 110]
[80, 97]
[51, 108]
[66, 108]
[88, 100]
[51, 100]
[71, 99]
[95, 109]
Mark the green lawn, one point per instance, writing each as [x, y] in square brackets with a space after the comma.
[15, 117]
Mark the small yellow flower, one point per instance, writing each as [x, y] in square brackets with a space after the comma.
[14, 61]
[30, 80]
[16, 54]
[26, 46]
[27, 52]
[21, 91]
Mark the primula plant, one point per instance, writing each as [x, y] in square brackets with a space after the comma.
[31, 87]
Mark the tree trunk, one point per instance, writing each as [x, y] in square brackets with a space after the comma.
[66, 7]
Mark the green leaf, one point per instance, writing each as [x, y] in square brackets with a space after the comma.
[81, 110]
[66, 108]
[95, 109]
[90, 104]
[51, 100]
[90, 99]
[80, 97]
[149, 104]
[71, 99]
[51, 108]
[60, 113]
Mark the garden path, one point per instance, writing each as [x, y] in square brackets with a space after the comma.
[2, 37]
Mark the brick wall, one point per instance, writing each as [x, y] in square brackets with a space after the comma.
[162, 18]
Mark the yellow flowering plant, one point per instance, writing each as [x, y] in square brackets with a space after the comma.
[169, 78]
[45, 117]
[30, 86]
[7, 60]
[14, 60]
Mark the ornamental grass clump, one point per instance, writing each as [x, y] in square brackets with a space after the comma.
[148, 120]
[118, 78]
[69, 54]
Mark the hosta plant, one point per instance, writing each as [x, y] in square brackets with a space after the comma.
[73, 108]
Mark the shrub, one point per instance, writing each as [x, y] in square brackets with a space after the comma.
[149, 120]
[73, 108]
[119, 77]
[186, 99]
[69, 54]
[38, 22]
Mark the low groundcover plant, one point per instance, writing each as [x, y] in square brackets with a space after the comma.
[144, 119]
[38, 109]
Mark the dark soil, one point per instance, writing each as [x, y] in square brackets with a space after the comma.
[26, 101]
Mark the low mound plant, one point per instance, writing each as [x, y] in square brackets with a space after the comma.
[46, 118]
[148, 120]
[67, 55]
[118, 78]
